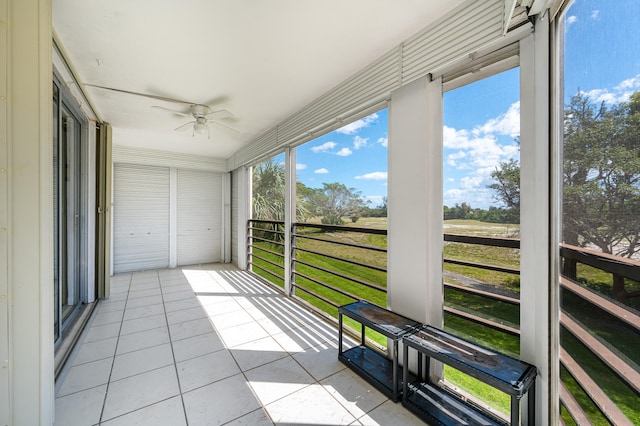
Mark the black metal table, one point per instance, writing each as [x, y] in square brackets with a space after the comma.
[438, 406]
[369, 363]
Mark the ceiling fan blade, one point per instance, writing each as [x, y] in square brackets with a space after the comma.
[221, 113]
[217, 123]
[172, 110]
[185, 126]
[146, 95]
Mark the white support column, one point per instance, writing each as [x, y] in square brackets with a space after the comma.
[415, 240]
[535, 243]
[289, 212]
[244, 212]
[26, 214]
[226, 217]
[173, 217]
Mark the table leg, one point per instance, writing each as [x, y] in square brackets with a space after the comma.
[405, 371]
[515, 411]
[531, 404]
[339, 334]
[363, 336]
[395, 369]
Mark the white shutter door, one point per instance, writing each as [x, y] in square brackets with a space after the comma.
[140, 217]
[199, 221]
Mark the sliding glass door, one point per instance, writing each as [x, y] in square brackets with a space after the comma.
[68, 214]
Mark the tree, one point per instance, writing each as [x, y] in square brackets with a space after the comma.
[506, 184]
[601, 180]
[334, 201]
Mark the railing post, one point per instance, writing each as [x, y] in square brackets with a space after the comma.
[249, 243]
[289, 213]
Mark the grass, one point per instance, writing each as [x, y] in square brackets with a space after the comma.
[621, 338]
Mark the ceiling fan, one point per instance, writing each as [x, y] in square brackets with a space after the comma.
[202, 116]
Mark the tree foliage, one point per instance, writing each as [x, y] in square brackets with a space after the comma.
[268, 190]
[334, 201]
[601, 200]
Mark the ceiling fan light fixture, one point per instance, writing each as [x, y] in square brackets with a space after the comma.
[201, 128]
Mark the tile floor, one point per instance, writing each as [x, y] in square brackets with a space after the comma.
[211, 345]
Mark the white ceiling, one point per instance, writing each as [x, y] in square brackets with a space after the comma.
[262, 60]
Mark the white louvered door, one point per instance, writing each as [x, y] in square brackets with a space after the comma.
[140, 217]
[199, 217]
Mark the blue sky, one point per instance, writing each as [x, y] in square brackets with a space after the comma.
[355, 155]
[482, 120]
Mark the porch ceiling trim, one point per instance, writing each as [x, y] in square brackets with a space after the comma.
[130, 155]
[471, 26]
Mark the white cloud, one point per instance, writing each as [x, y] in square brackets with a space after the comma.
[327, 146]
[352, 128]
[384, 142]
[373, 176]
[300, 166]
[594, 14]
[572, 19]
[620, 93]
[344, 152]
[359, 142]
[321, 171]
[505, 124]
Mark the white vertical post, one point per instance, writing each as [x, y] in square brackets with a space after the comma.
[26, 214]
[414, 282]
[244, 213]
[173, 217]
[226, 217]
[535, 245]
[289, 212]
[415, 241]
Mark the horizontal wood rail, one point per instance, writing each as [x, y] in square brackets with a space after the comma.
[483, 241]
[628, 268]
[353, 262]
[606, 355]
[341, 243]
[573, 407]
[606, 406]
[600, 301]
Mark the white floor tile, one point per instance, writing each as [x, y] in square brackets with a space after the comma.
[196, 346]
[181, 304]
[311, 405]
[139, 391]
[144, 323]
[107, 317]
[206, 369]
[188, 329]
[144, 301]
[101, 332]
[179, 295]
[184, 315]
[277, 379]
[143, 311]
[136, 293]
[81, 408]
[143, 339]
[86, 376]
[258, 352]
[220, 402]
[356, 395]
[93, 351]
[231, 319]
[241, 334]
[255, 418]
[140, 361]
[320, 361]
[169, 412]
[390, 413]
